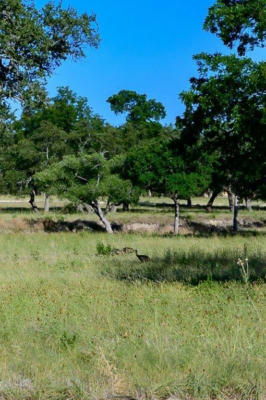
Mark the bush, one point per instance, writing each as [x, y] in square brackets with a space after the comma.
[103, 250]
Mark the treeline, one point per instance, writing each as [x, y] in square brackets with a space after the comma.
[60, 146]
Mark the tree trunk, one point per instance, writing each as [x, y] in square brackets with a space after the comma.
[46, 203]
[230, 199]
[248, 204]
[211, 201]
[235, 220]
[177, 216]
[125, 206]
[189, 202]
[88, 208]
[80, 208]
[32, 201]
[102, 217]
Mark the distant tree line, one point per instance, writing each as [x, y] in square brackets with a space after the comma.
[59, 146]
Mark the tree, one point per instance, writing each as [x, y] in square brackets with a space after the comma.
[34, 42]
[169, 168]
[242, 21]
[142, 125]
[44, 135]
[84, 179]
[226, 108]
[64, 110]
[6, 141]
[137, 107]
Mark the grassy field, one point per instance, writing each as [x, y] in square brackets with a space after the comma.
[75, 325]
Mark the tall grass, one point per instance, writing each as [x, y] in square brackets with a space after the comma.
[193, 267]
[68, 331]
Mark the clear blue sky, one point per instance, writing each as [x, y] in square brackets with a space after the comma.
[146, 46]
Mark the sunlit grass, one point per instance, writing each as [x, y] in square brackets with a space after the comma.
[70, 330]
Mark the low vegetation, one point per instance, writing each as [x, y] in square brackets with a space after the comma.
[78, 325]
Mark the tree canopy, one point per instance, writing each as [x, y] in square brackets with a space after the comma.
[137, 107]
[44, 135]
[170, 168]
[84, 179]
[226, 107]
[34, 42]
[241, 22]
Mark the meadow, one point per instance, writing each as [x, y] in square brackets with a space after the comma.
[76, 325]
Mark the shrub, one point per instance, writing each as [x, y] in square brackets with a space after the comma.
[103, 250]
[68, 339]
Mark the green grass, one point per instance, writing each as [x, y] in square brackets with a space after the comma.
[193, 267]
[70, 328]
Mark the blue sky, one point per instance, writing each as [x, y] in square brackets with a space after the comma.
[146, 46]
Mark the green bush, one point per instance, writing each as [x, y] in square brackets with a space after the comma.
[103, 250]
[68, 339]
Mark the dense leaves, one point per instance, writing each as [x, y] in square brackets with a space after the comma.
[34, 42]
[137, 107]
[238, 21]
[84, 179]
[226, 107]
[168, 167]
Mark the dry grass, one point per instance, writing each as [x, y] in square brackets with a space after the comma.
[16, 215]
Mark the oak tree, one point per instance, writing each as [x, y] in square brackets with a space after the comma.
[241, 22]
[33, 42]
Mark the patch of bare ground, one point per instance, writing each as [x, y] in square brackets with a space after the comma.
[18, 225]
[200, 226]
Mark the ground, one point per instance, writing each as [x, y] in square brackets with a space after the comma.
[78, 325]
[16, 215]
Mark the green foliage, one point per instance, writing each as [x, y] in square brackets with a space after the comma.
[103, 250]
[84, 179]
[121, 191]
[169, 167]
[131, 134]
[46, 134]
[6, 142]
[68, 339]
[225, 107]
[238, 21]
[162, 167]
[138, 108]
[34, 42]
[65, 111]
